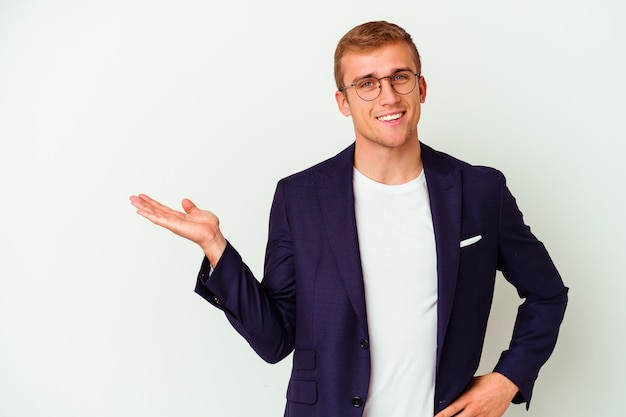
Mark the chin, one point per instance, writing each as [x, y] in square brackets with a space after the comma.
[396, 143]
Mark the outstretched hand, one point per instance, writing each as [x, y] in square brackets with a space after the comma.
[199, 226]
[487, 396]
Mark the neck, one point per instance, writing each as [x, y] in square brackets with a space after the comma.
[391, 166]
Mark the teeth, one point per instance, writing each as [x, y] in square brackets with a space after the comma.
[390, 117]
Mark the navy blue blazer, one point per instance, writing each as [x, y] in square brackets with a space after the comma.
[311, 298]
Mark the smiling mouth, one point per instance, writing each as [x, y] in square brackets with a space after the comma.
[390, 117]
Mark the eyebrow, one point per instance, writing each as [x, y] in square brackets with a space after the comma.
[373, 75]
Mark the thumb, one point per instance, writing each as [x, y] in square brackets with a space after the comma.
[188, 205]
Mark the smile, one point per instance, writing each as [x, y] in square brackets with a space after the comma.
[390, 117]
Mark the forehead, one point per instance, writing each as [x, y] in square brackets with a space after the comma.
[377, 62]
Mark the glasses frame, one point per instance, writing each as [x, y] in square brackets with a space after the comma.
[380, 85]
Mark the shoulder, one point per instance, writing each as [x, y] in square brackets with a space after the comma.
[445, 164]
[336, 165]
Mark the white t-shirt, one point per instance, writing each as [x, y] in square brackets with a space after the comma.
[399, 261]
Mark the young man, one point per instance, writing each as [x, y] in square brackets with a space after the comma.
[381, 262]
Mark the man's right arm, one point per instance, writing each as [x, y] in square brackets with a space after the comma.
[262, 312]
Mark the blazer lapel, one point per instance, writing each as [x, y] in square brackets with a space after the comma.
[336, 196]
[444, 189]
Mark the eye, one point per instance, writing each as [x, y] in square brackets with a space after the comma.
[401, 77]
[367, 84]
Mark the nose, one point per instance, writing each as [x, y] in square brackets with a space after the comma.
[387, 94]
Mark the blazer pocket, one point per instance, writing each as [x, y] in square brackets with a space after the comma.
[302, 391]
[471, 240]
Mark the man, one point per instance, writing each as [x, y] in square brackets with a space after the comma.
[381, 261]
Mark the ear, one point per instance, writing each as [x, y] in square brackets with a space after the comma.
[342, 103]
[422, 86]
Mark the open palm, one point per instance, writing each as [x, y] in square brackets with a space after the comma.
[199, 226]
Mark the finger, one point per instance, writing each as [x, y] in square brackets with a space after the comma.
[135, 201]
[141, 205]
[158, 209]
[151, 202]
[454, 409]
[141, 201]
[156, 212]
[188, 206]
[145, 198]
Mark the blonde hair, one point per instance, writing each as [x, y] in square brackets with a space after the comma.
[369, 36]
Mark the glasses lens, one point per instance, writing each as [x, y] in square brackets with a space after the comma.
[403, 82]
[368, 88]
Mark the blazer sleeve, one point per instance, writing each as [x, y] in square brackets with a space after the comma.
[262, 312]
[525, 263]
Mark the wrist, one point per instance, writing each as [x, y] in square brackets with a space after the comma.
[214, 249]
[509, 386]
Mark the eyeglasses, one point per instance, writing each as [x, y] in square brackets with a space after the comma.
[368, 89]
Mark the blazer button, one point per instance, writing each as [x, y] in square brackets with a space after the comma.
[217, 301]
[365, 344]
[357, 401]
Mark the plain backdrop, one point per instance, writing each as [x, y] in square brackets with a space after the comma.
[217, 101]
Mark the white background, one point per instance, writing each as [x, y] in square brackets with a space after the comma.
[216, 102]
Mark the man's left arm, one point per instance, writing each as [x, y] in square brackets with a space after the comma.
[525, 263]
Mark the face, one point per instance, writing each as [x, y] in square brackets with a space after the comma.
[389, 121]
